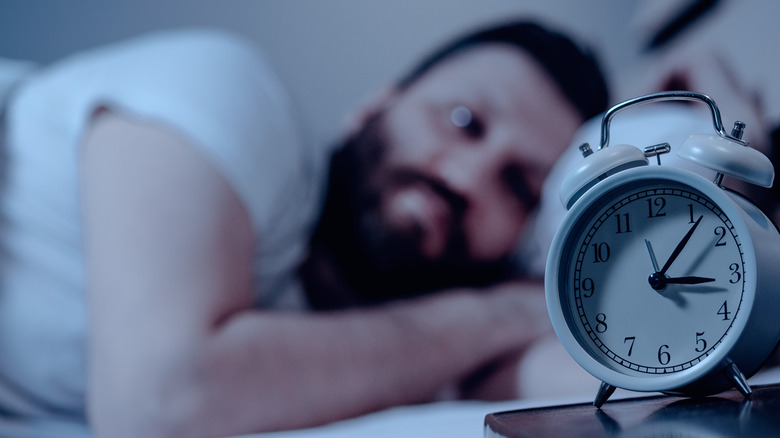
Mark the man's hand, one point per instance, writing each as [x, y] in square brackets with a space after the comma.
[523, 316]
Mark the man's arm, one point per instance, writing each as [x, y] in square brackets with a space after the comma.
[175, 346]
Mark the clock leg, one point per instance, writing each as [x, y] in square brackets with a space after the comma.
[738, 379]
[605, 391]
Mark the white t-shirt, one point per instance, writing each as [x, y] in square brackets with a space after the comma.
[211, 87]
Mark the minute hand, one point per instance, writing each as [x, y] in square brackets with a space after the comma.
[680, 246]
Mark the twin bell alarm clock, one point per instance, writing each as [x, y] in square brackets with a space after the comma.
[659, 279]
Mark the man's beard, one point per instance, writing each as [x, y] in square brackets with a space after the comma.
[357, 257]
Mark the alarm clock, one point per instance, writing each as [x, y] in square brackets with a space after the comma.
[659, 279]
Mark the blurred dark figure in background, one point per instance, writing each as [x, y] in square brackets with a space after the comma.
[727, 50]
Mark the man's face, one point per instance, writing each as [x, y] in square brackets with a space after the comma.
[466, 150]
[434, 190]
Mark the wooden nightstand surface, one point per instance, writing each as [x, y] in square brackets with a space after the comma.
[727, 414]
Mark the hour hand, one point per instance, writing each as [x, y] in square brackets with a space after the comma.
[659, 281]
[688, 280]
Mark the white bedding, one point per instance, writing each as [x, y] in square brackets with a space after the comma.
[452, 419]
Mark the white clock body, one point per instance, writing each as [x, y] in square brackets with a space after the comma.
[683, 338]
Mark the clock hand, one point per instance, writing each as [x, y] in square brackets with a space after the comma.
[678, 249]
[652, 255]
[659, 281]
[688, 280]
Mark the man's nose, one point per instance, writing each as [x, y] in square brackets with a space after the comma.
[471, 171]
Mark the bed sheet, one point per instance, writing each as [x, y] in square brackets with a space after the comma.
[452, 419]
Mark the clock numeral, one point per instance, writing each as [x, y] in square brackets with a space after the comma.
[656, 207]
[690, 214]
[724, 311]
[630, 339]
[587, 286]
[600, 252]
[663, 356]
[721, 233]
[735, 274]
[700, 342]
[601, 323]
[623, 225]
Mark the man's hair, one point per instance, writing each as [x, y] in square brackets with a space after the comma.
[573, 68]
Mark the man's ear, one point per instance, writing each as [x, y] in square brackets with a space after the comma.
[367, 107]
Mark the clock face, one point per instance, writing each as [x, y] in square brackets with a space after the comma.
[652, 278]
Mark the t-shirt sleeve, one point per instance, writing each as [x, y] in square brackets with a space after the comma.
[219, 91]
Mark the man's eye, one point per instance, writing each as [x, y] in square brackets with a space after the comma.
[464, 119]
